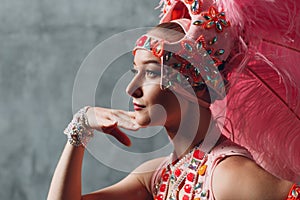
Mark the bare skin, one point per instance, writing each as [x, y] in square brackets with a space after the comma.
[235, 177]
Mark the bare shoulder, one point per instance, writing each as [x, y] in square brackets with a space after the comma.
[149, 166]
[238, 177]
[145, 171]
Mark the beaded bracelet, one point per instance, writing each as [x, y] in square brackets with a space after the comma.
[79, 131]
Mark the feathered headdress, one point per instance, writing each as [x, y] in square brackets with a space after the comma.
[264, 97]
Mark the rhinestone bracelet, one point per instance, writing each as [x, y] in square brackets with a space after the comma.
[79, 131]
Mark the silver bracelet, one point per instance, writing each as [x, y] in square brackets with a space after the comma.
[79, 131]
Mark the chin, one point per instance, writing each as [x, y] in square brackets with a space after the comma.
[142, 120]
[147, 121]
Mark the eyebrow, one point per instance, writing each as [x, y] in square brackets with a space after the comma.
[149, 62]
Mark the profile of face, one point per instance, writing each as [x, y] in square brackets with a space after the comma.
[153, 106]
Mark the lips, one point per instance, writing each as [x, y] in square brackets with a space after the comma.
[138, 107]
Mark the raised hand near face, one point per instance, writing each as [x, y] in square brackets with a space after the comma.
[110, 121]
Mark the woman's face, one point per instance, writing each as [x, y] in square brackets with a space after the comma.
[152, 105]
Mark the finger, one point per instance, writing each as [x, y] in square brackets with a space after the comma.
[131, 114]
[128, 125]
[111, 128]
[125, 120]
[120, 136]
[105, 124]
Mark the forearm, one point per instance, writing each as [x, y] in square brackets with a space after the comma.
[66, 181]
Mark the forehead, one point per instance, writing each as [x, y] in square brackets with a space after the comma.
[144, 56]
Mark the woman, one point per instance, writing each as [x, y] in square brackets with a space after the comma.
[234, 172]
[165, 74]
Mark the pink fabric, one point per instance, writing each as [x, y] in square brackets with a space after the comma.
[220, 152]
[225, 149]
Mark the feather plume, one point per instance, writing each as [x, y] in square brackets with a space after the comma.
[263, 103]
[265, 18]
[264, 98]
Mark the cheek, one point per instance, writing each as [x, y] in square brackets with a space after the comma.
[168, 103]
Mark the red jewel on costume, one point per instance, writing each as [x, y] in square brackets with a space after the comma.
[177, 172]
[188, 188]
[198, 154]
[165, 177]
[162, 187]
[185, 197]
[163, 172]
[190, 177]
[159, 197]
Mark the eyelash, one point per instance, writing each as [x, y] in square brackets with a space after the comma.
[134, 71]
[150, 73]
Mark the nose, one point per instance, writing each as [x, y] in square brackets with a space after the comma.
[134, 88]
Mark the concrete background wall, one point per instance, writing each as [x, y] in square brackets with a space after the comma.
[42, 46]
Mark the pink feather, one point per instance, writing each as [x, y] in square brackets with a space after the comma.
[264, 98]
[263, 18]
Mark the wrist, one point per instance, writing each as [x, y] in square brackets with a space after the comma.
[79, 131]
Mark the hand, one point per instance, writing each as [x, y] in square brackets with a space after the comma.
[109, 120]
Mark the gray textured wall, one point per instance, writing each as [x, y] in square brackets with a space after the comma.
[42, 46]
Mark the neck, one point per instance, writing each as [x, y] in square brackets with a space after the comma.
[191, 130]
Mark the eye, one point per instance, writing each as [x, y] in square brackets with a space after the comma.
[134, 71]
[153, 74]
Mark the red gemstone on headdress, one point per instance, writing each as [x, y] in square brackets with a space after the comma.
[158, 49]
[190, 177]
[215, 19]
[141, 41]
[198, 154]
[162, 188]
[213, 11]
[177, 172]
[187, 188]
